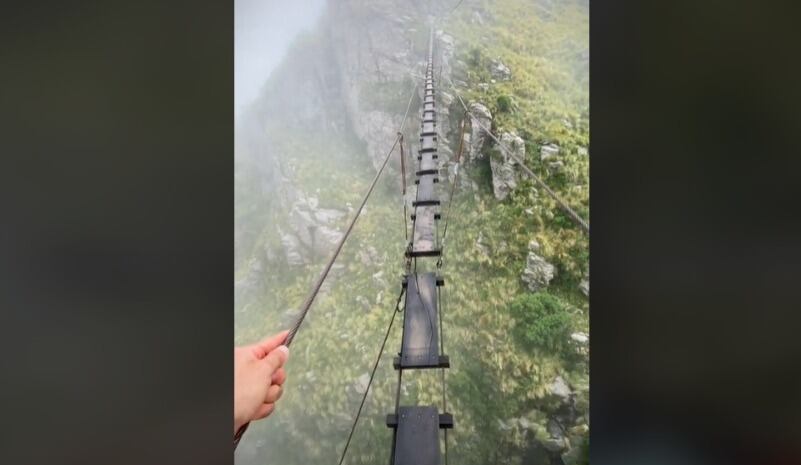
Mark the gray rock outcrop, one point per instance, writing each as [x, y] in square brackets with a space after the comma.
[361, 383]
[549, 152]
[560, 389]
[499, 70]
[311, 231]
[538, 272]
[550, 156]
[556, 442]
[479, 116]
[505, 172]
[582, 339]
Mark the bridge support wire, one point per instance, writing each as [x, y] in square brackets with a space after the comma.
[442, 370]
[324, 274]
[310, 298]
[403, 187]
[372, 375]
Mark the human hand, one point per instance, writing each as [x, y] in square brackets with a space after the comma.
[258, 378]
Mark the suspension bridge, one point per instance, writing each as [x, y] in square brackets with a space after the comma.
[416, 429]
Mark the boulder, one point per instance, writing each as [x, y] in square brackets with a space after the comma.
[499, 70]
[556, 442]
[538, 272]
[560, 389]
[584, 286]
[453, 170]
[505, 171]
[549, 152]
[479, 116]
[555, 167]
[378, 279]
[361, 383]
[311, 231]
[580, 338]
[555, 445]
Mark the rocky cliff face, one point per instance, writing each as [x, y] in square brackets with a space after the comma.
[351, 79]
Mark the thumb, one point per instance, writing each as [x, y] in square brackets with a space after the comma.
[276, 359]
[262, 348]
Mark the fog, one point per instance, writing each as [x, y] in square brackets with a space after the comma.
[263, 30]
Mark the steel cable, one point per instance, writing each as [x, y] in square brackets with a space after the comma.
[324, 274]
[316, 288]
[372, 375]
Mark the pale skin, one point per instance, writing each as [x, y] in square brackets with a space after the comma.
[258, 378]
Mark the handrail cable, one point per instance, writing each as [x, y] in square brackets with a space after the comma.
[403, 187]
[324, 274]
[310, 298]
[372, 375]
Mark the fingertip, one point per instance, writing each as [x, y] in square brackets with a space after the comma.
[264, 411]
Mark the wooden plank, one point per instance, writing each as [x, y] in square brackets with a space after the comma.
[424, 238]
[417, 436]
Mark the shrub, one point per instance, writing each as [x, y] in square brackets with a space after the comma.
[504, 103]
[476, 57]
[542, 322]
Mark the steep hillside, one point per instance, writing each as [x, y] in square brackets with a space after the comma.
[515, 307]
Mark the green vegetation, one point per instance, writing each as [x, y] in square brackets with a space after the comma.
[504, 103]
[541, 321]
